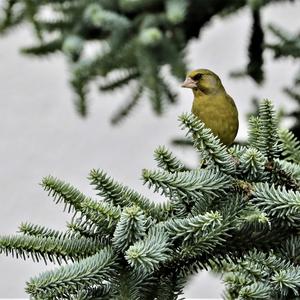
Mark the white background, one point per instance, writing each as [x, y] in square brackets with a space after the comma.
[41, 134]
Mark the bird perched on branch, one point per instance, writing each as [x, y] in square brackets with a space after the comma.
[212, 104]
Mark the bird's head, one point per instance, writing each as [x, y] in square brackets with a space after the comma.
[204, 81]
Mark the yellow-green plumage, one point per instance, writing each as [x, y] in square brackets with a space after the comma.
[213, 105]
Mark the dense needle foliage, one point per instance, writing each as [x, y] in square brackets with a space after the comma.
[237, 213]
[288, 46]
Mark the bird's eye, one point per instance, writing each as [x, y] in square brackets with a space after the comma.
[197, 77]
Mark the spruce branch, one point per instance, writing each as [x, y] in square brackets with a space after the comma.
[264, 276]
[11, 17]
[83, 228]
[171, 95]
[48, 248]
[63, 192]
[287, 280]
[95, 292]
[256, 290]
[122, 80]
[103, 215]
[131, 227]
[97, 16]
[253, 130]
[280, 176]
[146, 255]
[118, 194]
[194, 229]
[131, 284]
[70, 279]
[45, 48]
[287, 45]
[265, 135]
[56, 24]
[278, 202]
[290, 168]
[290, 145]
[253, 219]
[237, 214]
[252, 164]
[205, 248]
[207, 143]
[255, 49]
[38, 230]
[193, 184]
[171, 286]
[167, 161]
[290, 249]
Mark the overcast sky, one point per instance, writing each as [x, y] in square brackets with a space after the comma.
[41, 133]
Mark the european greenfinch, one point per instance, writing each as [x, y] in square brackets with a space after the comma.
[213, 105]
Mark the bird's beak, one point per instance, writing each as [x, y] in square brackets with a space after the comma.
[189, 83]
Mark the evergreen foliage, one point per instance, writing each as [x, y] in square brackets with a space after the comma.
[288, 47]
[133, 41]
[237, 213]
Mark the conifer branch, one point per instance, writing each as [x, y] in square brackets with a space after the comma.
[266, 139]
[95, 292]
[207, 143]
[45, 48]
[145, 255]
[83, 228]
[280, 177]
[56, 24]
[121, 195]
[48, 248]
[254, 220]
[262, 276]
[194, 231]
[103, 215]
[171, 286]
[167, 161]
[290, 249]
[255, 290]
[290, 145]
[278, 202]
[237, 213]
[252, 164]
[131, 227]
[197, 183]
[11, 17]
[70, 279]
[63, 192]
[137, 5]
[290, 168]
[120, 81]
[254, 130]
[131, 284]
[255, 48]
[205, 246]
[38, 230]
[97, 16]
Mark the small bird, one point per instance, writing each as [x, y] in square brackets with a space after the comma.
[212, 104]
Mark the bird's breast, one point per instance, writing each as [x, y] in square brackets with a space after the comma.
[219, 113]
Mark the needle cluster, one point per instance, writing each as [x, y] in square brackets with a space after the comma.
[237, 213]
